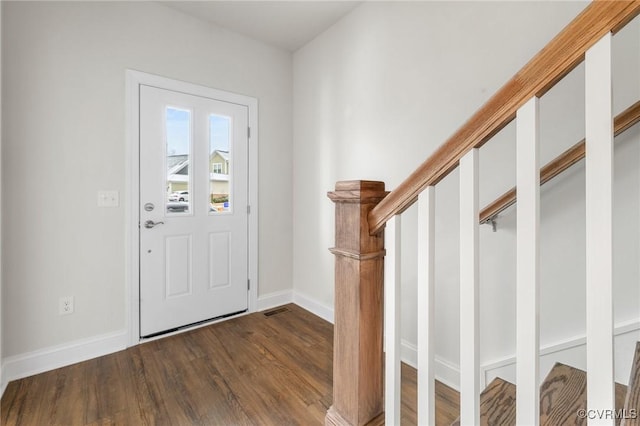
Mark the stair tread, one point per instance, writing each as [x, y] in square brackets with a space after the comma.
[564, 392]
[497, 404]
[632, 403]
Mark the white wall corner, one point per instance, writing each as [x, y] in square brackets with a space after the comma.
[24, 365]
[275, 299]
[323, 311]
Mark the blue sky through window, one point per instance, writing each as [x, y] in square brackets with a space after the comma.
[178, 131]
[219, 132]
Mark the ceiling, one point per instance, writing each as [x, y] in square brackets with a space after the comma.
[285, 24]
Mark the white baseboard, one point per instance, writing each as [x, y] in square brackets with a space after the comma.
[446, 372]
[316, 308]
[409, 353]
[275, 299]
[568, 351]
[571, 352]
[3, 380]
[24, 365]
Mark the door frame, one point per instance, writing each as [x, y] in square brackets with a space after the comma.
[132, 186]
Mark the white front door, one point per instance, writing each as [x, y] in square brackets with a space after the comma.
[193, 209]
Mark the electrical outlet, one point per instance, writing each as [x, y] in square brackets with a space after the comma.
[66, 305]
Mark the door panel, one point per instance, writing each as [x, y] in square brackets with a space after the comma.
[219, 259]
[178, 265]
[193, 180]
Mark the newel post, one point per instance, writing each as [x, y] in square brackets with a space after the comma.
[358, 388]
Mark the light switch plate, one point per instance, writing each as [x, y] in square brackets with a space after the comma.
[108, 199]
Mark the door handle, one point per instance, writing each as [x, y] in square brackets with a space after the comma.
[150, 224]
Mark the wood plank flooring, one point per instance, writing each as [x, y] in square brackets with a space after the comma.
[251, 370]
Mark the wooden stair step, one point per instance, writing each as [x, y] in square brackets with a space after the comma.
[632, 403]
[564, 392]
[497, 404]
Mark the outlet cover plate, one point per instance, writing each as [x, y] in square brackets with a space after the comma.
[65, 306]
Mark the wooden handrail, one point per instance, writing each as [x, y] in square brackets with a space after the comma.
[550, 65]
[622, 122]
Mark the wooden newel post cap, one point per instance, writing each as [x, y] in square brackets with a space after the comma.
[358, 191]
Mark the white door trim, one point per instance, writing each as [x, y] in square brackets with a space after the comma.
[132, 197]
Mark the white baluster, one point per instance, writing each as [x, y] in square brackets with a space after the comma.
[599, 185]
[527, 265]
[469, 297]
[426, 306]
[392, 321]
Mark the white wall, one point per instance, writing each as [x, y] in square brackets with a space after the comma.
[379, 91]
[64, 98]
[2, 382]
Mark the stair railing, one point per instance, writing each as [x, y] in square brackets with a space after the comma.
[622, 122]
[361, 394]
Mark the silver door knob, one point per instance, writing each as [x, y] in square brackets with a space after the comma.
[150, 224]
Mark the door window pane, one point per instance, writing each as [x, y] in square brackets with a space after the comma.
[178, 182]
[219, 164]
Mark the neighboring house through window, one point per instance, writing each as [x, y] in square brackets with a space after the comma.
[220, 162]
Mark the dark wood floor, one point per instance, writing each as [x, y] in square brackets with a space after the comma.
[252, 370]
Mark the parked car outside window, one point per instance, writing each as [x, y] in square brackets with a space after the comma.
[179, 196]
